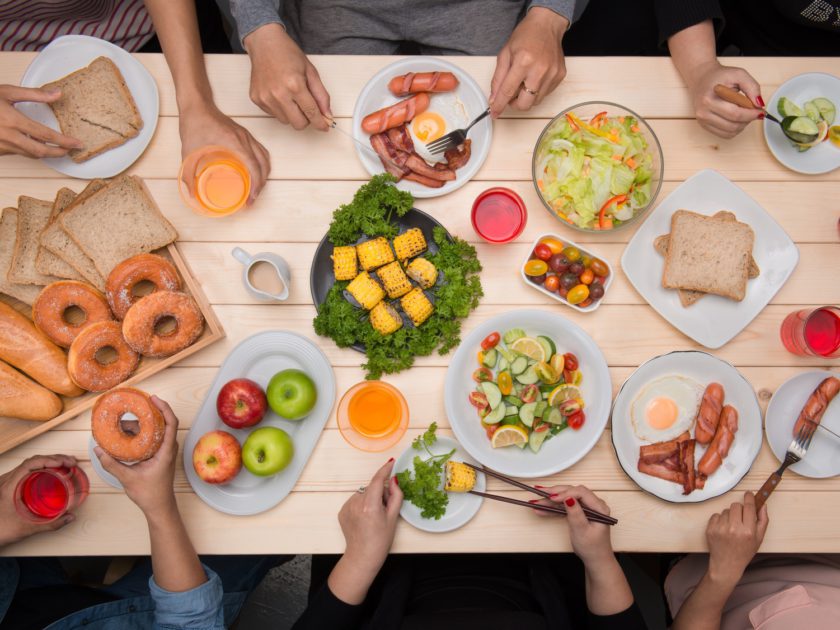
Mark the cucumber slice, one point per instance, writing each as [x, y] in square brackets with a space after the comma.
[493, 393]
[526, 414]
[826, 109]
[553, 416]
[507, 355]
[510, 420]
[787, 107]
[812, 111]
[521, 445]
[513, 334]
[503, 363]
[495, 416]
[540, 409]
[513, 400]
[519, 365]
[547, 345]
[528, 377]
[490, 358]
[535, 440]
[511, 410]
[802, 129]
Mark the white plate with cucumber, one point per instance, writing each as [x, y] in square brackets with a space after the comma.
[531, 402]
[809, 102]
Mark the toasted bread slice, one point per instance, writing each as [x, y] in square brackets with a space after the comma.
[96, 107]
[57, 242]
[119, 221]
[45, 261]
[8, 234]
[708, 254]
[32, 217]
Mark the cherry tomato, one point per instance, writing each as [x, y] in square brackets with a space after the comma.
[587, 276]
[572, 253]
[563, 292]
[537, 279]
[552, 283]
[568, 280]
[558, 362]
[586, 260]
[596, 291]
[576, 420]
[542, 251]
[578, 294]
[586, 302]
[490, 429]
[540, 427]
[490, 341]
[478, 400]
[576, 268]
[599, 267]
[554, 244]
[529, 393]
[480, 357]
[482, 375]
[547, 373]
[601, 279]
[559, 263]
[535, 267]
[569, 377]
[571, 362]
[505, 383]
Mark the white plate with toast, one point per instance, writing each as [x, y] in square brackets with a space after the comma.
[70, 53]
[713, 320]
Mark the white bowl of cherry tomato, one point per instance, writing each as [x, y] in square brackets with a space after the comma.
[567, 272]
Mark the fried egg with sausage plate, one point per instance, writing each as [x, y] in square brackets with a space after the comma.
[446, 113]
[665, 408]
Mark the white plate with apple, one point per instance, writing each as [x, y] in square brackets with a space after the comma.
[274, 449]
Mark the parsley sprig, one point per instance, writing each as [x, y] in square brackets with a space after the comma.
[423, 490]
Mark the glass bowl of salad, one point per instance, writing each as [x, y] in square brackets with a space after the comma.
[597, 166]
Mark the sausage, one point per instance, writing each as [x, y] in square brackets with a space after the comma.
[415, 82]
[396, 114]
[721, 443]
[23, 399]
[817, 403]
[708, 413]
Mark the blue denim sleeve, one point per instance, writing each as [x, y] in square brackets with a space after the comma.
[198, 609]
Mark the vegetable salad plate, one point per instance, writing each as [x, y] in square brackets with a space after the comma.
[69, 53]
[713, 320]
[258, 358]
[799, 91]
[660, 378]
[823, 458]
[469, 101]
[562, 436]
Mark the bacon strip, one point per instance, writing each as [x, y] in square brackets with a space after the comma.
[401, 139]
[392, 159]
[687, 465]
[426, 181]
[419, 166]
[457, 157]
[662, 472]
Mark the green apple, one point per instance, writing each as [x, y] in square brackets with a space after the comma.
[267, 451]
[291, 394]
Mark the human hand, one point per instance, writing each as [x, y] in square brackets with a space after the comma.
[22, 135]
[714, 114]
[203, 124]
[531, 64]
[284, 83]
[734, 537]
[149, 484]
[12, 527]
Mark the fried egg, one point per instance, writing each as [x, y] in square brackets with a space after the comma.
[446, 113]
[665, 408]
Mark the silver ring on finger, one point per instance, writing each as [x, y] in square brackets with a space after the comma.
[529, 90]
[361, 489]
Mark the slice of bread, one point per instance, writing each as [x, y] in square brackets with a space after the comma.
[708, 254]
[45, 261]
[117, 222]
[56, 241]
[32, 217]
[96, 107]
[8, 235]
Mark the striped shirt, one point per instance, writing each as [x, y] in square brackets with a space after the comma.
[32, 24]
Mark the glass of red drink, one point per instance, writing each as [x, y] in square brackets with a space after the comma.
[45, 495]
[813, 333]
[499, 215]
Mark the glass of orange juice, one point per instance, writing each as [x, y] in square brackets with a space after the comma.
[372, 415]
[214, 181]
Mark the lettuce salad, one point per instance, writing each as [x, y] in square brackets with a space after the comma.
[595, 174]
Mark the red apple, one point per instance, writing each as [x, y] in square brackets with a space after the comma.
[217, 457]
[241, 403]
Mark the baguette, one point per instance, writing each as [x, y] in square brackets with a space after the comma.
[23, 399]
[26, 348]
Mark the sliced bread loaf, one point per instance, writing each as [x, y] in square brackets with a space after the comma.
[46, 262]
[8, 234]
[32, 217]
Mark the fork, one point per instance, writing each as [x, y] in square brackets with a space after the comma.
[796, 451]
[454, 138]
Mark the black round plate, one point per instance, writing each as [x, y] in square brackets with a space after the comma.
[321, 278]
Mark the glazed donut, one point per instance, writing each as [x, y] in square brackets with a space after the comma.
[86, 371]
[139, 323]
[109, 433]
[48, 311]
[129, 273]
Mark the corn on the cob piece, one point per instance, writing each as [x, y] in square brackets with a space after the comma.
[459, 477]
[410, 243]
[385, 319]
[374, 253]
[417, 306]
[394, 280]
[366, 290]
[344, 262]
[422, 272]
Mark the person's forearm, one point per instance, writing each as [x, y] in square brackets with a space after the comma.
[607, 589]
[693, 48]
[351, 578]
[704, 607]
[175, 564]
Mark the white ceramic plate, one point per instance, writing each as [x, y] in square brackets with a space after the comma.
[376, 95]
[97, 466]
[462, 506]
[823, 456]
[258, 358]
[562, 450]
[70, 53]
[714, 320]
[822, 158]
[703, 368]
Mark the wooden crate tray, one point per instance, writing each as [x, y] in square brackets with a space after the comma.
[14, 432]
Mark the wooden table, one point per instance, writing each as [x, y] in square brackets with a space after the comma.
[312, 173]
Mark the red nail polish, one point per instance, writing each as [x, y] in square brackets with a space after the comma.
[394, 479]
[570, 501]
[761, 115]
[539, 487]
[533, 501]
[759, 100]
[389, 460]
[554, 496]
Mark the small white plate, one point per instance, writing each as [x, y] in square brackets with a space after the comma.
[97, 466]
[376, 95]
[258, 358]
[714, 320]
[462, 506]
[703, 368]
[823, 456]
[69, 53]
[565, 448]
[822, 158]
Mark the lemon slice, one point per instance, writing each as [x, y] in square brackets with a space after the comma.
[563, 392]
[509, 435]
[530, 347]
